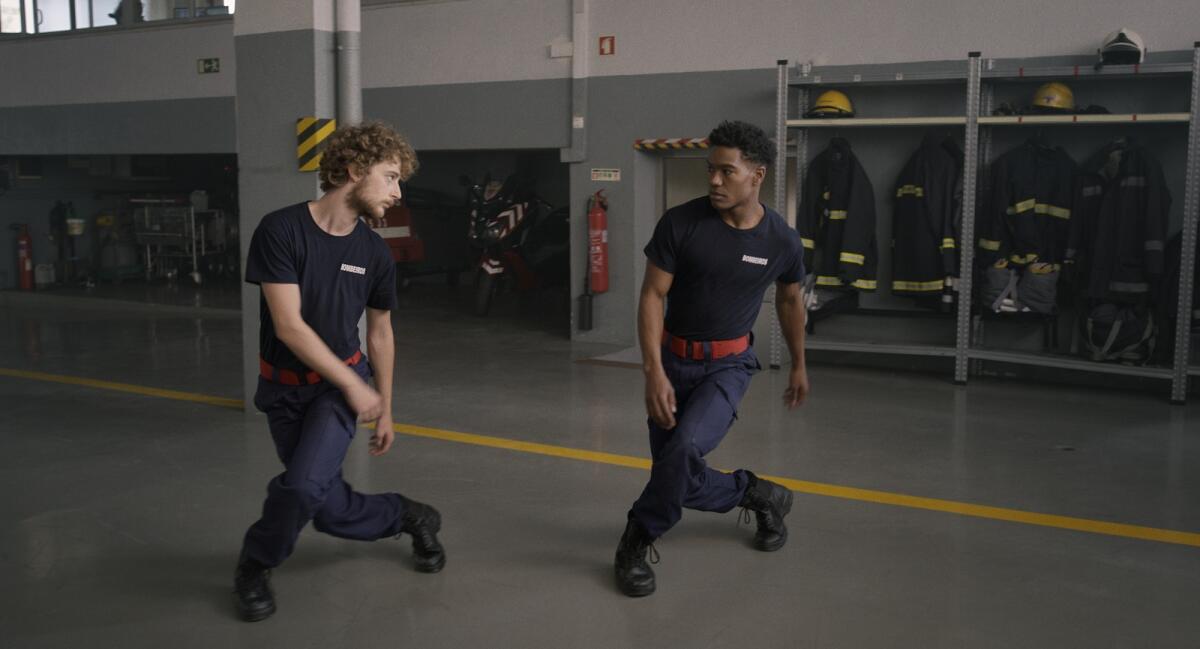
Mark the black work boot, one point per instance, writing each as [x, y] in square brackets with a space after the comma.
[770, 503]
[423, 522]
[252, 591]
[634, 576]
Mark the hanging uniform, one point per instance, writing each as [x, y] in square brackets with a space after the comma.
[1028, 216]
[837, 220]
[927, 218]
[1025, 227]
[1119, 233]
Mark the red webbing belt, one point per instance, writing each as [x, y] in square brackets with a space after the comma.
[288, 377]
[694, 349]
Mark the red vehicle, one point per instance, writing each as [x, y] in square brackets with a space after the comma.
[424, 235]
[397, 231]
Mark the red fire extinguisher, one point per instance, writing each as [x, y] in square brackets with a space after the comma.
[598, 243]
[24, 257]
[595, 280]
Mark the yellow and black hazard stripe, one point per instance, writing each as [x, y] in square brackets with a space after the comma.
[666, 143]
[310, 133]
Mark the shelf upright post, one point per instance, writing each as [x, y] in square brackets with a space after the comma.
[967, 253]
[987, 103]
[801, 155]
[781, 131]
[1187, 260]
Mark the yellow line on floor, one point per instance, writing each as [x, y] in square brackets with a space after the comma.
[125, 387]
[525, 447]
[994, 513]
[801, 486]
[836, 491]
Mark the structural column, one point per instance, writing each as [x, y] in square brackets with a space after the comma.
[285, 71]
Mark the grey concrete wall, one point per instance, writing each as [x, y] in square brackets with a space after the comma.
[706, 35]
[199, 125]
[497, 115]
[120, 90]
[467, 41]
[149, 63]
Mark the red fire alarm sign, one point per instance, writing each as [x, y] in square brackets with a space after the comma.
[608, 45]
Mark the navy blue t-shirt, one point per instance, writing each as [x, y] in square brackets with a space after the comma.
[721, 272]
[338, 278]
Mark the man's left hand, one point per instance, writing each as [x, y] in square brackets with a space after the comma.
[383, 436]
[797, 389]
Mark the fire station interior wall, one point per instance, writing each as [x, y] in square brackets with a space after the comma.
[126, 64]
[465, 42]
[118, 91]
[689, 36]
[172, 126]
[530, 114]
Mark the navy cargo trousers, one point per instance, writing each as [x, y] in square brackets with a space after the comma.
[707, 394]
[312, 426]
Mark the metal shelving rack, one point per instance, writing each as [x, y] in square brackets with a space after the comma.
[802, 79]
[977, 154]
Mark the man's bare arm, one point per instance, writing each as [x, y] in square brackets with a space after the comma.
[789, 307]
[660, 396]
[283, 301]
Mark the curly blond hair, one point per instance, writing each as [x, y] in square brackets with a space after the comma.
[360, 147]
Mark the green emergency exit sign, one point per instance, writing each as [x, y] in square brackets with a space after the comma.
[208, 66]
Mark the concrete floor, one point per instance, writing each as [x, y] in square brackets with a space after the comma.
[124, 511]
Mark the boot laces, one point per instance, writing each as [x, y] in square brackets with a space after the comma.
[765, 519]
[422, 538]
[652, 553]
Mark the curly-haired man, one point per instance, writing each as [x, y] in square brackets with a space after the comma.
[319, 266]
[709, 263]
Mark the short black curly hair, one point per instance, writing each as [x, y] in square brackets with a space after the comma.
[751, 140]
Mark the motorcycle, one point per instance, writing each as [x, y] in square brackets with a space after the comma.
[518, 235]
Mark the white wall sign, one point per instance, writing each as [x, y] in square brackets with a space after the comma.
[606, 175]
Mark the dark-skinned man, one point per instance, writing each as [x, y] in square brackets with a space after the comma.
[709, 264]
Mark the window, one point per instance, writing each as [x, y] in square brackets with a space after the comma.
[10, 17]
[44, 16]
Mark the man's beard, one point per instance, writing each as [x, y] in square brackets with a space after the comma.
[364, 209]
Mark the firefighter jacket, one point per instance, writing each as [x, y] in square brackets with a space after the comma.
[837, 220]
[926, 219]
[1027, 215]
[1120, 227]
